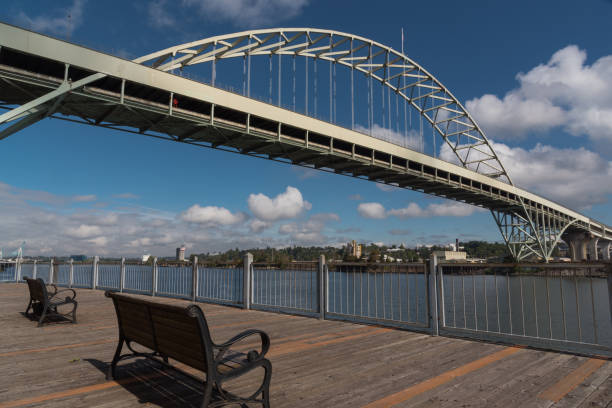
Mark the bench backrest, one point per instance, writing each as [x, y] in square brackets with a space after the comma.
[178, 332]
[38, 289]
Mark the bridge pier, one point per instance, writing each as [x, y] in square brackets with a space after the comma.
[577, 243]
[593, 254]
[605, 250]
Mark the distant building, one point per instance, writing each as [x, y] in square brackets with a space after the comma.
[145, 257]
[354, 249]
[180, 253]
[451, 255]
[78, 258]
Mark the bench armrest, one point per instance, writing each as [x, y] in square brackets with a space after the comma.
[51, 294]
[57, 292]
[265, 343]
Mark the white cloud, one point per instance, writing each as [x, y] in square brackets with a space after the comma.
[84, 198]
[249, 12]
[387, 188]
[411, 140]
[63, 24]
[413, 210]
[310, 231]
[356, 197]
[84, 231]
[577, 178]
[99, 241]
[211, 215]
[447, 209]
[286, 205]
[257, 225]
[158, 15]
[371, 210]
[564, 92]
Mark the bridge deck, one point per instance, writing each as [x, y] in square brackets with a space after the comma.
[315, 363]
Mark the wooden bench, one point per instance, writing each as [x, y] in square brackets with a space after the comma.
[44, 303]
[181, 333]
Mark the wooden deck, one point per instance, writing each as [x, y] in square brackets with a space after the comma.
[315, 364]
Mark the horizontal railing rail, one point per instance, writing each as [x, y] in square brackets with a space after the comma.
[565, 306]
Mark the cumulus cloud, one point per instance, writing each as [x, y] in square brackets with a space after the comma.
[310, 231]
[249, 12]
[448, 209]
[286, 205]
[64, 22]
[413, 210]
[565, 92]
[211, 215]
[256, 225]
[53, 225]
[84, 231]
[577, 178]
[371, 210]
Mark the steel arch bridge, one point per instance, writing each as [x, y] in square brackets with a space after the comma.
[44, 77]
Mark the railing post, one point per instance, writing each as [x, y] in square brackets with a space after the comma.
[194, 279]
[122, 275]
[34, 270]
[322, 286]
[247, 281]
[51, 270]
[18, 270]
[71, 277]
[432, 294]
[94, 272]
[154, 275]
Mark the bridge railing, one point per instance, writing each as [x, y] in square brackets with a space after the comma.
[564, 307]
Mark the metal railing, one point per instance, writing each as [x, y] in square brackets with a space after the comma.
[387, 294]
[551, 306]
[291, 288]
[220, 285]
[565, 307]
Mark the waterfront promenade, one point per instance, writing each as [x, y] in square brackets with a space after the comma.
[316, 363]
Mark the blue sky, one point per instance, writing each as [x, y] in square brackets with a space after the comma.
[537, 76]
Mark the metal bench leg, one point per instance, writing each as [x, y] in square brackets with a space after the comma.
[42, 316]
[111, 370]
[29, 306]
[74, 313]
[208, 391]
[265, 394]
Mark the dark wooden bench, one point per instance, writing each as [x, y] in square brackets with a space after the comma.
[181, 333]
[44, 303]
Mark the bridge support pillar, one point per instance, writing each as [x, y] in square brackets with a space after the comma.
[605, 250]
[577, 243]
[592, 249]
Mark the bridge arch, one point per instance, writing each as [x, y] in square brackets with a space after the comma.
[391, 68]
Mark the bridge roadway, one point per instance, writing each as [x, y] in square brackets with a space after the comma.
[94, 88]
